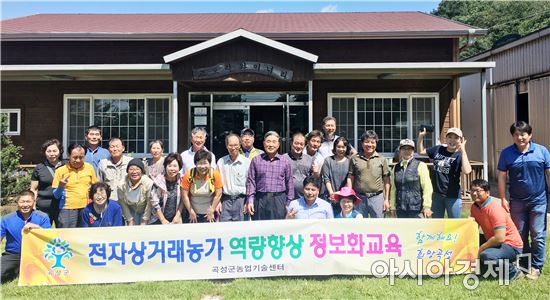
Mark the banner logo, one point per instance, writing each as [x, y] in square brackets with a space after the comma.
[56, 250]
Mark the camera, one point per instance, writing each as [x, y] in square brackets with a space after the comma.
[429, 128]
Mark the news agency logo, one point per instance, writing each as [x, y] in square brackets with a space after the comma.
[473, 271]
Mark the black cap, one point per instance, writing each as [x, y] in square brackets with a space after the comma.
[138, 163]
[247, 130]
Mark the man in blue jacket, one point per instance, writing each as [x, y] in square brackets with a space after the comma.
[12, 225]
[527, 166]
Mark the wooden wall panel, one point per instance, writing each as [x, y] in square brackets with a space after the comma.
[128, 52]
[539, 110]
[41, 106]
[504, 114]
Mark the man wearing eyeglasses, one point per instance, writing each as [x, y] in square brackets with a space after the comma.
[503, 242]
[234, 169]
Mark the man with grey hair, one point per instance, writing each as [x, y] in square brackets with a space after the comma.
[198, 139]
[369, 176]
[329, 136]
[112, 170]
[269, 186]
[234, 171]
[300, 162]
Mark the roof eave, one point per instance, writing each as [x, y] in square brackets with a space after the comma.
[85, 72]
[57, 36]
[526, 39]
[426, 70]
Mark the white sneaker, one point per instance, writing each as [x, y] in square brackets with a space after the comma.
[533, 274]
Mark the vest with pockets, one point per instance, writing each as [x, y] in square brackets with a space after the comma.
[407, 185]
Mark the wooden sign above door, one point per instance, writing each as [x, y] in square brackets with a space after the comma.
[234, 67]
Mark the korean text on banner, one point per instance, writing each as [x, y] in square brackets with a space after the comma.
[247, 249]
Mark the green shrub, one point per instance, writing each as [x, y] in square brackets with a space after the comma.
[13, 178]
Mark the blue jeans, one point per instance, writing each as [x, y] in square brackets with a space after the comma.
[505, 252]
[441, 203]
[137, 217]
[530, 219]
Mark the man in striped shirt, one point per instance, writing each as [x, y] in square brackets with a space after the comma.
[269, 186]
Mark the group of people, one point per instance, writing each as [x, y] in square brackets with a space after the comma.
[321, 177]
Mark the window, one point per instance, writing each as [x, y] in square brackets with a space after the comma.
[13, 120]
[392, 116]
[272, 97]
[522, 107]
[136, 119]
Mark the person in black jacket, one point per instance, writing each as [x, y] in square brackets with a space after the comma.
[42, 177]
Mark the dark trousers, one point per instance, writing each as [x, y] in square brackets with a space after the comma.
[336, 208]
[372, 206]
[408, 214]
[49, 207]
[270, 206]
[69, 218]
[232, 208]
[201, 218]
[10, 266]
[504, 252]
[184, 216]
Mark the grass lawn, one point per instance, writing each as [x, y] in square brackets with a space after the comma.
[329, 287]
[358, 287]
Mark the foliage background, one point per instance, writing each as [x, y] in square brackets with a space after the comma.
[500, 18]
[13, 178]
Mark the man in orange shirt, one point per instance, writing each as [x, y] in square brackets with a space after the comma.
[503, 239]
[71, 184]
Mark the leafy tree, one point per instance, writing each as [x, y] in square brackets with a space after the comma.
[14, 179]
[500, 18]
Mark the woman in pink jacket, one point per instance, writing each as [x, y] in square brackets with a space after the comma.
[167, 192]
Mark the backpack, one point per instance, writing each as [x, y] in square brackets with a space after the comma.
[210, 177]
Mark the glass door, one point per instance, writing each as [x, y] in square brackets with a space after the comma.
[224, 113]
[226, 120]
[268, 118]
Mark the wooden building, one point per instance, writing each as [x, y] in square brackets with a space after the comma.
[518, 89]
[150, 76]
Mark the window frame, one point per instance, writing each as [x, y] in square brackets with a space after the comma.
[145, 96]
[9, 111]
[408, 95]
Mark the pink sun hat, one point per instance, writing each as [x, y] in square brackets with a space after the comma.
[347, 192]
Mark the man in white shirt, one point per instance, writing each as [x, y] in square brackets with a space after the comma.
[234, 171]
[198, 139]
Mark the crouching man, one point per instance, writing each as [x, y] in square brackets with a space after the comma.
[25, 218]
[310, 206]
[503, 241]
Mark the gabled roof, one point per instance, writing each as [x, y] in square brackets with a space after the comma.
[206, 26]
[240, 33]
